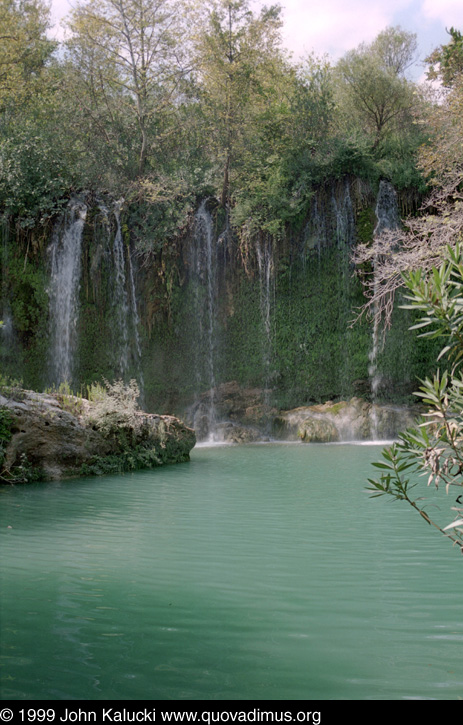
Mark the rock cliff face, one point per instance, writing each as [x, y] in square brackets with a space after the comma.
[54, 438]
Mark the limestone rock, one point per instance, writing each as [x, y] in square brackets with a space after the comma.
[353, 420]
[59, 442]
[233, 433]
[317, 430]
[246, 407]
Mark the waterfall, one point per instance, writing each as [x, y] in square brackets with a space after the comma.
[344, 218]
[135, 325]
[315, 232]
[65, 253]
[6, 329]
[387, 210]
[264, 253]
[344, 235]
[126, 335]
[387, 217]
[120, 298]
[203, 267]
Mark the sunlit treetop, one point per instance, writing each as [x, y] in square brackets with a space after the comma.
[446, 62]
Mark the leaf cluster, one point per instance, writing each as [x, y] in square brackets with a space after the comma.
[435, 448]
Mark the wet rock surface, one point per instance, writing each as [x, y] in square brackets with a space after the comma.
[353, 420]
[59, 443]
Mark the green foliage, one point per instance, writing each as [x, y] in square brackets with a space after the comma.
[9, 386]
[66, 398]
[122, 112]
[24, 49]
[33, 177]
[134, 459]
[365, 225]
[446, 62]
[29, 303]
[113, 412]
[352, 155]
[372, 86]
[114, 407]
[397, 159]
[435, 448]
[5, 431]
[318, 356]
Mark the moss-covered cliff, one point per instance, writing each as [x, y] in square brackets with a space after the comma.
[210, 307]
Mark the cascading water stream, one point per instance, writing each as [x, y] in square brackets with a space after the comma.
[6, 329]
[135, 324]
[65, 253]
[127, 347]
[203, 263]
[387, 215]
[264, 253]
[120, 299]
[344, 232]
[344, 218]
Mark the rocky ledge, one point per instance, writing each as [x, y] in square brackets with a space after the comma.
[353, 420]
[54, 436]
[244, 415]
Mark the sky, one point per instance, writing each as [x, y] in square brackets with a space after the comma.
[335, 26]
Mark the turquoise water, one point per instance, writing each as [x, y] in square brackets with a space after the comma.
[262, 572]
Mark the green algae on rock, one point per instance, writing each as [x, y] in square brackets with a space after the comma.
[47, 441]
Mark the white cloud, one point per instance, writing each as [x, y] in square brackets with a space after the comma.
[59, 8]
[449, 12]
[335, 26]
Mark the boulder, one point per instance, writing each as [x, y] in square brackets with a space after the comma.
[55, 438]
[353, 420]
[234, 433]
[248, 407]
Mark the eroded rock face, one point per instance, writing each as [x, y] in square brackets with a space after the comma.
[243, 415]
[246, 407]
[234, 433]
[353, 420]
[60, 443]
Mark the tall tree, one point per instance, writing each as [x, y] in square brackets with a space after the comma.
[446, 62]
[237, 53]
[24, 48]
[32, 173]
[128, 58]
[373, 88]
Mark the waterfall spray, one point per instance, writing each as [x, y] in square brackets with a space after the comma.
[135, 324]
[65, 252]
[387, 216]
[203, 265]
[120, 299]
[6, 329]
[264, 253]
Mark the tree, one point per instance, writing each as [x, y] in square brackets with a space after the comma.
[422, 241]
[128, 60]
[426, 257]
[435, 448]
[373, 88]
[446, 62]
[33, 171]
[288, 150]
[24, 49]
[237, 59]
